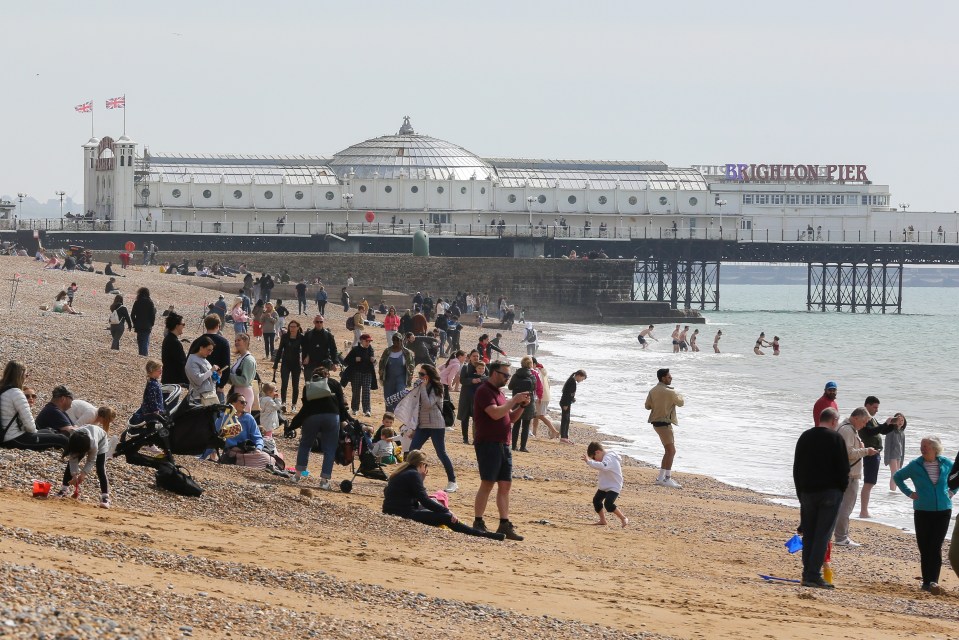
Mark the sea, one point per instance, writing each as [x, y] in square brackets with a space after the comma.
[743, 412]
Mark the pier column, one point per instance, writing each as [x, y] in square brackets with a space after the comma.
[854, 287]
[690, 283]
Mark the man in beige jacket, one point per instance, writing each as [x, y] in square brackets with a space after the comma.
[662, 401]
[849, 430]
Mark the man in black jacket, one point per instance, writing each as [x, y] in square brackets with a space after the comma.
[320, 345]
[821, 475]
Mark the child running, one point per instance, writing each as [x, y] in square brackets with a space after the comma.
[90, 441]
[610, 481]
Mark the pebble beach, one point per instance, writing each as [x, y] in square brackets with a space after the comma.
[259, 556]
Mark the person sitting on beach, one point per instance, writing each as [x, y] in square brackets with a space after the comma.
[405, 496]
[610, 481]
[18, 430]
[91, 441]
[110, 287]
[108, 271]
[61, 305]
[244, 447]
[54, 416]
[383, 449]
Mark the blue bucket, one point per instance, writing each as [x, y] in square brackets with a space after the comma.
[794, 544]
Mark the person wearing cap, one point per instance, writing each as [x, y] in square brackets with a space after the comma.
[360, 370]
[318, 345]
[54, 414]
[826, 401]
[219, 308]
[662, 401]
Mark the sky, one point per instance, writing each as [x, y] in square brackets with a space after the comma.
[687, 83]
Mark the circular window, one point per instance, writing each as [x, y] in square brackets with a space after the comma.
[268, 195]
[602, 199]
[362, 188]
[463, 190]
[414, 189]
[207, 193]
[483, 190]
[329, 195]
[512, 198]
[693, 201]
[663, 200]
[177, 193]
[571, 199]
[145, 192]
[388, 188]
[632, 199]
[439, 189]
[298, 195]
[237, 194]
[541, 199]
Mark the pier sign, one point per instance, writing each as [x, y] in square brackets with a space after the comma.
[795, 172]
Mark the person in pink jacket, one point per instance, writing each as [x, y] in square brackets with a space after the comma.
[450, 372]
[391, 323]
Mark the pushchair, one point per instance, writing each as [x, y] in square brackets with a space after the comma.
[187, 429]
[355, 447]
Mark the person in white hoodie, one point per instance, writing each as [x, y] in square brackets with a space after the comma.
[610, 481]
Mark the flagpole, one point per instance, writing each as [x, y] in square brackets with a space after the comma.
[124, 114]
[92, 135]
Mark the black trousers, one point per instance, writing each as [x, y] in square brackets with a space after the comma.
[285, 372]
[101, 474]
[931, 529]
[41, 440]
[564, 422]
[818, 511]
[521, 425]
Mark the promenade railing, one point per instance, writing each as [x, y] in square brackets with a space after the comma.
[648, 231]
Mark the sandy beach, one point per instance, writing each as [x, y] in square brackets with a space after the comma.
[255, 557]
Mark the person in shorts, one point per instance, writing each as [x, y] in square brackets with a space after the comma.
[494, 415]
[662, 401]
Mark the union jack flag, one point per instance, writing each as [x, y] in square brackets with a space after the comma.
[117, 103]
[86, 107]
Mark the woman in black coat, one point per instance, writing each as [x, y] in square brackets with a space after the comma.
[172, 355]
[144, 317]
[288, 356]
[360, 372]
[119, 316]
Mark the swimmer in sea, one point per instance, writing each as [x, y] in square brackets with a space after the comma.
[775, 345]
[646, 333]
[675, 336]
[761, 342]
[719, 334]
[692, 341]
[683, 345]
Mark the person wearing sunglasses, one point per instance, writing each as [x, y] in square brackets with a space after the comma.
[243, 448]
[17, 427]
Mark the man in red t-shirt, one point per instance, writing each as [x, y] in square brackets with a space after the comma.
[494, 416]
[827, 400]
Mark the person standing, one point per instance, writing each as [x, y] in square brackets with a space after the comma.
[391, 323]
[566, 404]
[301, 297]
[321, 297]
[119, 316]
[345, 299]
[268, 322]
[243, 370]
[219, 358]
[719, 335]
[395, 370]
[288, 358]
[646, 333]
[675, 337]
[470, 379]
[856, 451]
[523, 381]
[144, 317]
[871, 436]
[932, 507]
[423, 408]
[171, 353]
[820, 475]
[360, 368]
[319, 344]
[894, 449]
[826, 401]
[662, 401]
[494, 416]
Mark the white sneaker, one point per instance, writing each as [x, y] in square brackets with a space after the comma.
[848, 542]
[325, 485]
[672, 484]
[451, 487]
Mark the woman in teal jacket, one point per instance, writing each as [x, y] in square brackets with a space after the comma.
[932, 504]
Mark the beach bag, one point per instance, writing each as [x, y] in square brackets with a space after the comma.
[317, 389]
[350, 323]
[449, 412]
[176, 479]
[115, 317]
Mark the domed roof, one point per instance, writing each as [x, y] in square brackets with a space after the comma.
[412, 155]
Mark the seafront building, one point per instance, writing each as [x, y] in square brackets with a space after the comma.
[411, 179]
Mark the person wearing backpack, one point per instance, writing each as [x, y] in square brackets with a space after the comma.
[119, 316]
[530, 339]
[319, 344]
[320, 417]
[17, 428]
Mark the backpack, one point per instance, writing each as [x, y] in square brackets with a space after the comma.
[115, 317]
[350, 323]
[531, 335]
[178, 480]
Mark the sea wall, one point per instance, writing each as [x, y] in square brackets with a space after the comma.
[556, 290]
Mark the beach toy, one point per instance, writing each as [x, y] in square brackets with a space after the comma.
[827, 573]
[41, 489]
[774, 578]
[794, 544]
[370, 216]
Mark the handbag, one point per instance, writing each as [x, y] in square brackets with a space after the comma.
[178, 480]
[449, 412]
[208, 398]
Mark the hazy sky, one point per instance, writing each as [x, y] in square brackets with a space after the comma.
[685, 82]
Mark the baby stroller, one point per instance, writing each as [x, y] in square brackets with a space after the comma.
[187, 430]
[355, 446]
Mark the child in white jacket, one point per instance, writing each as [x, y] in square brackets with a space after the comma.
[90, 442]
[610, 481]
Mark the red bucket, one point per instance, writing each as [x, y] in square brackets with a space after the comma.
[41, 489]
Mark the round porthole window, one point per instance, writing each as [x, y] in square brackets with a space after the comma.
[463, 190]
[298, 195]
[439, 189]
[483, 190]
[602, 199]
[632, 200]
[329, 195]
[207, 193]
[268, 195]
[541, 199]
[177, 193]
[145, 192]
[414, 189]
[512, 198]
[388, 188]
[693, 201]
[571, 199]
[237, 194]
[362, 188]
[663, 200]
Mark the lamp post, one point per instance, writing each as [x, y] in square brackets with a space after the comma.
[347, 199]
[20, 197]
[529, 209]
[61, 194]
[720, 204]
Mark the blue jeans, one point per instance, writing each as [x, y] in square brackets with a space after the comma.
[438, 436]
[327, 427]
[143, 343]
[817, 516]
